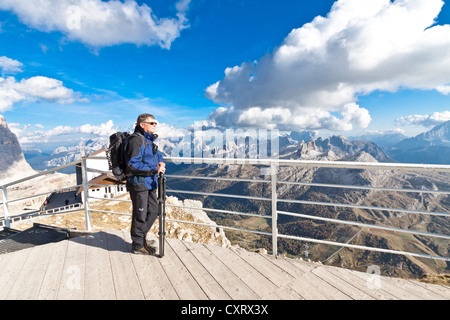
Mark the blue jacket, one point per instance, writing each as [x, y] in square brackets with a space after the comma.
[142, 160]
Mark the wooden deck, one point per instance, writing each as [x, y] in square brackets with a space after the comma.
[100, 266]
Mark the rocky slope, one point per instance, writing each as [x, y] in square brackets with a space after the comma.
[12, 161]
[178, 230]
[337, 149]
[13, 166]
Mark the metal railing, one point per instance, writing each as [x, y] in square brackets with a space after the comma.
[272, 167]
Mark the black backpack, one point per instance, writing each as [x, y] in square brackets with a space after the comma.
[116, 154]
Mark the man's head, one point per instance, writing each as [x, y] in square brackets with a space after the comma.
[147, 122]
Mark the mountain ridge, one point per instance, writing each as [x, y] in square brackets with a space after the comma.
[12, 160]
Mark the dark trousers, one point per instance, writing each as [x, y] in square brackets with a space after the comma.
[145, 212]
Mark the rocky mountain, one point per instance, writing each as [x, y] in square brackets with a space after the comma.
[332, 149]
[383, 140]
[13, 166]
[431, 147]
[338, 149]
[437, 136]
[12, 161]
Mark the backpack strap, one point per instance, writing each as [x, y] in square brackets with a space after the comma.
[130, 170]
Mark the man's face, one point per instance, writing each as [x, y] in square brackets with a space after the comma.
[149, 125]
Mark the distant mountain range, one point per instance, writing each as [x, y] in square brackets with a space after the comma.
[431, 147]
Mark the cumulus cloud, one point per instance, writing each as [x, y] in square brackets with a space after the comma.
[99, 23]
[427, 120]
[313, 80]
[27, 136]
[31, 89]
[10, 66]
[34, 89]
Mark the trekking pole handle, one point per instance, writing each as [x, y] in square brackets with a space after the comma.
[161, 186]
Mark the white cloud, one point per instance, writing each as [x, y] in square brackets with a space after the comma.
[103, 130]
[443, 89]
[31, 89]
[27, 136]
[34, 89]
[101, 23]
[314, 78]
[10, 66]
[427, 120]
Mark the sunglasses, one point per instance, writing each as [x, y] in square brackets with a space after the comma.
[151, 123]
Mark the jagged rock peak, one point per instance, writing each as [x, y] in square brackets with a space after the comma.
[3, 122]
[12, 161]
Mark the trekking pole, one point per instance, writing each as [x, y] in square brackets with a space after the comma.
[161, 211]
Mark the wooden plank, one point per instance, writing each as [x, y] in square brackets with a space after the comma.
[311, 285]
[295, 268]
[234, 286]
[414, 288]
[101, 267]
[11, 266]
[307, 284]
[342, 285]
[442, 291]
[72, 286]
[376, 282]
[99, 283]
[361, 284]
[154, 282]
[31, 275]
[268, 266]
[254, 279]
[183, 282]
[126, 282]
[53, 274]
[209, 285]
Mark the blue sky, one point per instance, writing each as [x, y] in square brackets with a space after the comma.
[233, 63]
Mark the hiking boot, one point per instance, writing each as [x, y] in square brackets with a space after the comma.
[142, 250]
[150, 247]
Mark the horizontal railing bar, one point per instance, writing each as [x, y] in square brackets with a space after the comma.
[333, 204]
[220, 226]
[362, 187]
[216, 179]
[37, 215]
[359, 224]
[111, 212]
[219, 195]
[312, 163]
[97, 170]
[195, 223]
[221, 211]
[109, 199]
[104, 185]
[42, 194]
[73, 163]
[339, 244]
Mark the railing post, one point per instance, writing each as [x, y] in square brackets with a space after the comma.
[273, 174]
[5, 207]
[86, 194]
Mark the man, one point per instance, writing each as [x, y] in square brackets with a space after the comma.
[144, 161]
